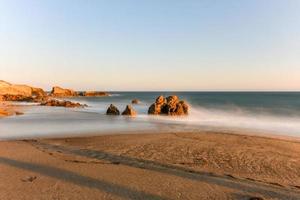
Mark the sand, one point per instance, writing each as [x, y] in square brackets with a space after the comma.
[201, 165]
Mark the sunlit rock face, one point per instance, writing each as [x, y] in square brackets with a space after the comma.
[11, 92]
[61, 92]
[129, 111]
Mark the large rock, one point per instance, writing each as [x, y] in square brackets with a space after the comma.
[129, 111]
[38, 92]
[61, 92]
[4, 84]
[112, 110]
[12, 92]
[11, 89]
[169, 106]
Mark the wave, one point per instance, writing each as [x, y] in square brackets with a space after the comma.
[50, 121]
[237, 118]
[230, 116]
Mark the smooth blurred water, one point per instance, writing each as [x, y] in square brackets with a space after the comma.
[273, 112]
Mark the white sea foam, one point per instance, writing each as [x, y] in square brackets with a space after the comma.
[237, 118]
[55, 122]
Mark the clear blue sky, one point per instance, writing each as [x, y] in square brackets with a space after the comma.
[151, 45]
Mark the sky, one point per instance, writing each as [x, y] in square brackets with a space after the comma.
[134, 45]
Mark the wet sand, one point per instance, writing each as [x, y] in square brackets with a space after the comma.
[203, 165]
[7, 109]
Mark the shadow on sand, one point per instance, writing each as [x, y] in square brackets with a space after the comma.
[267, 190]
[80, 180]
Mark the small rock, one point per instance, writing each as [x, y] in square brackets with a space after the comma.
[19, 113]
[112, 110]
[29, 179]
[129, 111]
[135, 101]
[256, 198]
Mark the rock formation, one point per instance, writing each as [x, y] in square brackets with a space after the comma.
[93, 94]
[61, 92]
[4, 84]
[9, 97]
[38, 92]
[20, 90]
[129, 111]
[58, 103]
[12, 92]
[112, 110]
[169, 106]
[155, 109]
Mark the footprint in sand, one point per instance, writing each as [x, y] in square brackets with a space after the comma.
[29, 178]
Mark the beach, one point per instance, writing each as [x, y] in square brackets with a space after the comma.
[198, 165]
[149, 100]
[198, 145]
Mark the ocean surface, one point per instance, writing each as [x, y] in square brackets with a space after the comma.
[275, 113]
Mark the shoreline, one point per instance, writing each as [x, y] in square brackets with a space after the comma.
[197, 130]
[14, 109]
[224, 165]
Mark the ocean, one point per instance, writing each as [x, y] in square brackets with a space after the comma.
[275, 113]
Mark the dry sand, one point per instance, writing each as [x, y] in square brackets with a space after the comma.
[203, 165]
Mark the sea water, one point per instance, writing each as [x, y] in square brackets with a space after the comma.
[268, 112]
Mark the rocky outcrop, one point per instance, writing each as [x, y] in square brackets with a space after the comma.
[12, 92]
[169, 106]
[61, 92]
[58, 103]
[11, 89]
[135, 101]
[9, 97]
[93, 94]
[112, 110]
[4, 84]
[38, 92]
[129, 111]
[20, 90]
